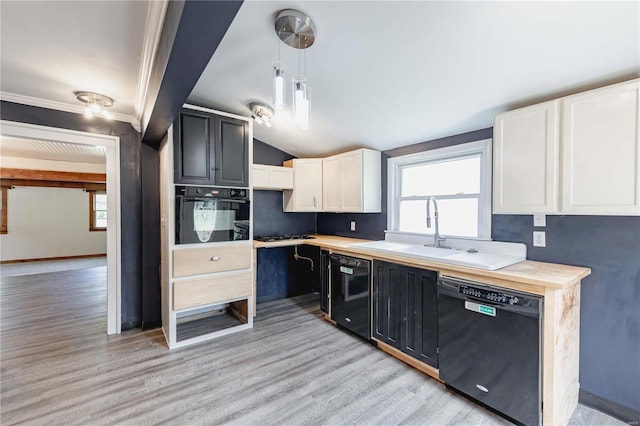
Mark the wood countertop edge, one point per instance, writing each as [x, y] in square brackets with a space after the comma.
[556, 277]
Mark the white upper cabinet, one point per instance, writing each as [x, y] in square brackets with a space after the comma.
[331, 192]
[271, 177]
[601, 153]
[526, 160]
[575, 155]
[306, 195]
[352, 182]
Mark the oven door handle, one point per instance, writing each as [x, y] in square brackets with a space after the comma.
[183, 198]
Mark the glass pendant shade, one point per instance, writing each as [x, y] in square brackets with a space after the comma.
[301, 102]
[278, 85]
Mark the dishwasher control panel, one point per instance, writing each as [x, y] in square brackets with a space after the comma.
[488, 295]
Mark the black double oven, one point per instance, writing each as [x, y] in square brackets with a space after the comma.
[206, 214]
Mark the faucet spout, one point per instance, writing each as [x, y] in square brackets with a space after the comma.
[437, 238]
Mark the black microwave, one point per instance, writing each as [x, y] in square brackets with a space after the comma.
[211, 214]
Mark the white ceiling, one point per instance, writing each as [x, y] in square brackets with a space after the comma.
[49, 150]
[382, 74]
[389, 74]
[49, 49]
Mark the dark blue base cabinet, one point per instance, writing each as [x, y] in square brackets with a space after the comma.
[405, 310]
[324, 281]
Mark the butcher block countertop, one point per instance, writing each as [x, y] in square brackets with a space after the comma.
[529, 275]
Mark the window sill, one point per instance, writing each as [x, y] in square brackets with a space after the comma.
[97, 229]
[418, 235]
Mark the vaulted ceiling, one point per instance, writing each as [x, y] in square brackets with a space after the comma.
[383, 74]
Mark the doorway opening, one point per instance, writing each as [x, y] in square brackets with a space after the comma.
[111, 146]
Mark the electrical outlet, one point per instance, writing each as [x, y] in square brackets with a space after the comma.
[353, 225]
[539, 220]
[539, 239]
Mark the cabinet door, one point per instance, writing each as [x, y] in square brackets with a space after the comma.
[387, 303]
[271, 177]
[324, 281]
[307, 176]
[281, 177]
[231, 152]
[331, 184]
[526, 160]
[601, 152]
[420, 329]
[193, 153]
[351, 181]
[260, 176]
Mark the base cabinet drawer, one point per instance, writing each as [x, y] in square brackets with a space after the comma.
[205, 291]
[206, 260]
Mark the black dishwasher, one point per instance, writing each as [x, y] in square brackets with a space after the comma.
[490, 346]
[350, 283]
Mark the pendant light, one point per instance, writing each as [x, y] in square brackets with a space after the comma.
[295, 29]
[278, 85]
[301, 102]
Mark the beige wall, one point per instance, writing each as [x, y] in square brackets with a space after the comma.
[49, 222]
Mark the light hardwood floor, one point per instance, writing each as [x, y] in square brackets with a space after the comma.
[59, 367]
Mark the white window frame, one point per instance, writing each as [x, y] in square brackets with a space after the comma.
[482, 148]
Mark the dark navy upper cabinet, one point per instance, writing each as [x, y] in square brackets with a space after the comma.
[231, 152]
[210, 149]
[193, 150]
[405, 310]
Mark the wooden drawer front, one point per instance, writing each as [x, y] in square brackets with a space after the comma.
[205, 291]
[210, 259]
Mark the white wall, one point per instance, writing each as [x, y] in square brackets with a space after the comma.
[49, 222]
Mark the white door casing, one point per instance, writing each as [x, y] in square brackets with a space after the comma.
[112, 145]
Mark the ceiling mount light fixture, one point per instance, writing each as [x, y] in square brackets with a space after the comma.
[261, 113]
[297, 30]
[96, 104]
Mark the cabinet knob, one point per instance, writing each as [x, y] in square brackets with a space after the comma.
[215, 258]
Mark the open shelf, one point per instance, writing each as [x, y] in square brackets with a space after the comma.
[203, 323]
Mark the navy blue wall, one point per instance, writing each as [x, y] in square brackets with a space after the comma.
[131, 183]
[278, 274]
[610, 296]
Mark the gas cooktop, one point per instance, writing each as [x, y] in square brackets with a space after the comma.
[272, 238]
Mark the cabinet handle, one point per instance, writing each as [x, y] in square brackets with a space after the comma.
[215, 258]
[314, 201]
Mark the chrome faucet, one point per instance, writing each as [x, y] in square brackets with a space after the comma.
[437, 238]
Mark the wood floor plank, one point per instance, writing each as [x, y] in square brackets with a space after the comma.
[292, 368]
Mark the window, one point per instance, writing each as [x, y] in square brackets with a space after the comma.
[3, 211]
[97, 211]
[458, 177]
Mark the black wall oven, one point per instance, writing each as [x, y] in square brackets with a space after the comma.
[350, 282]
[211, 214]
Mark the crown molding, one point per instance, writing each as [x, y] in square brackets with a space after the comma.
[61, 106]
[153, 30]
